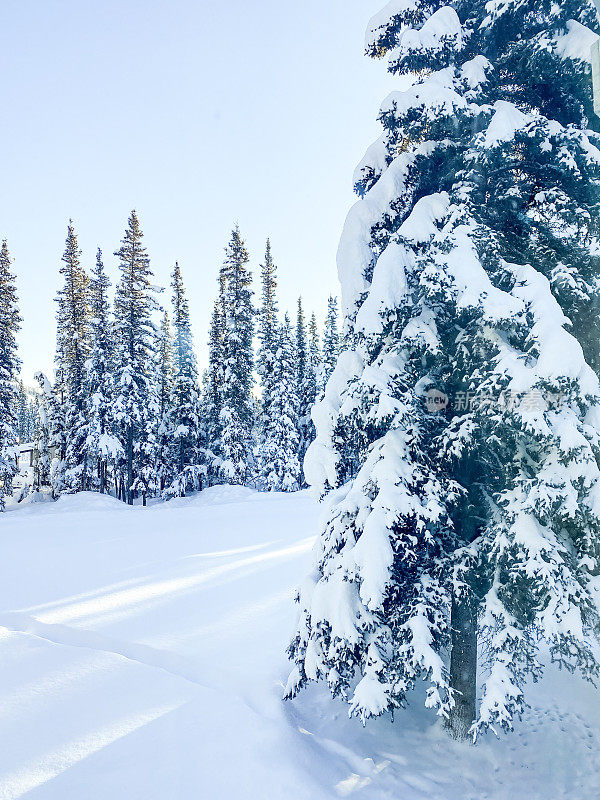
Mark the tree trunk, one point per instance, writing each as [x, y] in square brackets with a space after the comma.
[463, 666]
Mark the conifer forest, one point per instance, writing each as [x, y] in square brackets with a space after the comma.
[127, 412]
[347, 545]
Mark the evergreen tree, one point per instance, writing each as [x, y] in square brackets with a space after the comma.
[331, 343]
[72, 350]
[10, 366]
[103, 447]
[301, 344]
[282, 436]
[306, 384]
[205, 454]
[314, 360]
[237, 411]
[32, 415]
[313, 370]
[23, 415]
[213, 394]
[164, 350]
[268, 335]
[184, 415]
[158, 466]
[43, 433]
[135, 333]
[55, 406]
[33, 422]
[267, 317]
[469, 272]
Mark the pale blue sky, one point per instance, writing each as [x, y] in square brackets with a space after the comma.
[198, 113]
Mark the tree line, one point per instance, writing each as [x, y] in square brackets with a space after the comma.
[128, 412]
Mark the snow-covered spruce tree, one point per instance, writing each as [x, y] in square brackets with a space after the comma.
[136, 404]
[237, 413]
[282, 436]
[103, 447]
[32, 414]
[58, 441]
[310, 391]
[184, 402]
[306, 385]
[301, 343]
[212, 398]
[22, 413]
[43, 433]
[331, 341]
[164, 386]
[72, 350]
[314, 346]
[314, 355]
[33, 423]
[468, 267]
[49, 438]
[268, 335]
[10, 365]
[25, 414]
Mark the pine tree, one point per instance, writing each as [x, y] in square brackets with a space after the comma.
[33, 423]
[164, 380]
[72, 350]
[103, 447]
[313, 369]
[237, 411]
[23, 415]
[314, 357]
[184, 414]
[213, 394]
[468, 267]
[136, 402]
[267, 317]
[268, 335]
[282, 436]
[32, 416]
[55, 407]
[331, 343]
[154, 447]
[10, 366]
[305, 383]
[204, 453]
[43, 433]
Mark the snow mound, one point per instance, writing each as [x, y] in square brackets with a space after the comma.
[217, 495]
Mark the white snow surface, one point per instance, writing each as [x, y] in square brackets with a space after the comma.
[355, 254]
[507, 120]
[576, 43]
[142, 657]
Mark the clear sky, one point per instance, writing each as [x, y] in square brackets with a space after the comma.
[198, 113]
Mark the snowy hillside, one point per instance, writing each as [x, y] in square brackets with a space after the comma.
[142, 656]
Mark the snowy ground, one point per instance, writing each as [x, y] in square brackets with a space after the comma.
[142, 656]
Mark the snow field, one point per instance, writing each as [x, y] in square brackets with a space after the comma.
[142, 656]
